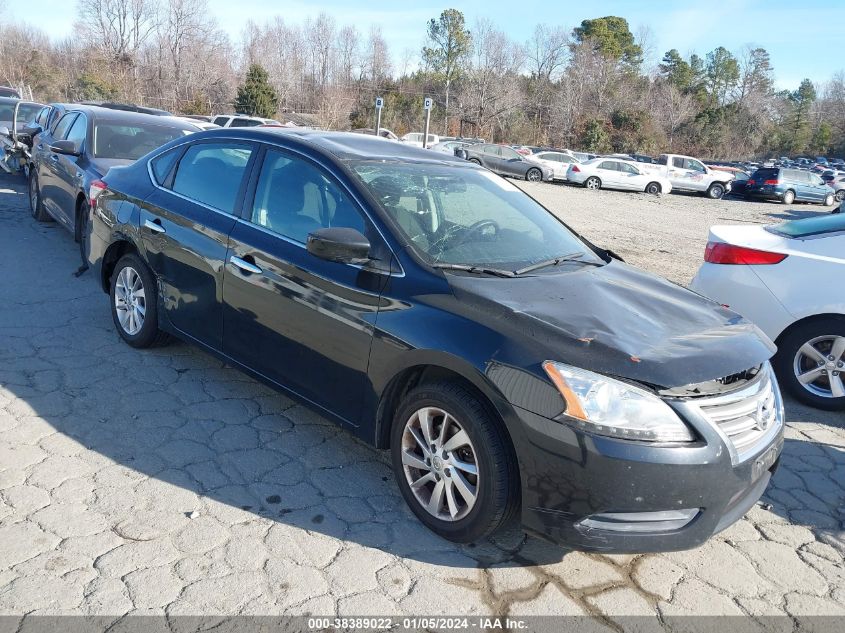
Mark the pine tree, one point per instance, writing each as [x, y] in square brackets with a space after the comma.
[257, 97]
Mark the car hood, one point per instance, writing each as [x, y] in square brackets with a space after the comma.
[618, 320]
[102, 165]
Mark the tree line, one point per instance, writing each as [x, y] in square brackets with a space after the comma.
[589, 87]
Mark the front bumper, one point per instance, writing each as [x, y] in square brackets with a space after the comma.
[596, 493]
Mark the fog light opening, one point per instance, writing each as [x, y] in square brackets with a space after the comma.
[660, 521]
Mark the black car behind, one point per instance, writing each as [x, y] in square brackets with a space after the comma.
[433, 308]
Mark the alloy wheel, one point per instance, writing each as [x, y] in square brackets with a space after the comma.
[33, 194]
[819, 365]
[593, 183]
[440, 464]
[130, 300]
[533, 175]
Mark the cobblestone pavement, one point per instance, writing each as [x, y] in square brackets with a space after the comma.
[163, 481]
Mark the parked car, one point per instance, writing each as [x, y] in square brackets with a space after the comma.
[584, 156]
[506, 161]
[69, 161]
[558, 162]
[788, 186]
[449, 147]
[15, 135]
[617, 174]
[127, 107]
[789, 279]
[739, 183]
[838, 186]
[416, 139]
[242, 120]
[6, 91]
[642, 158]
[383, 132]
[433, 308]
[200, 124]
[690, 174]
[25, 111]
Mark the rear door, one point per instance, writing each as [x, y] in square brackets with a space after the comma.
[301, 321]
[679, 175]
[185, 227]
[630, 178]
[608, 172]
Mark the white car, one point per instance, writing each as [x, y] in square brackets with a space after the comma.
[613, 173]
[201, 124]
[558, 162]
[789, 279]
[416, 139]
[242, 120]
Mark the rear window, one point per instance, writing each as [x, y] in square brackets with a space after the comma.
[130, 142]
[244, 123]
[810, 227]
[766, 174]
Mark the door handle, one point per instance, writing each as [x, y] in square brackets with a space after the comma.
[41, 146]
[154, 225]
[245, 266]
[54, 158]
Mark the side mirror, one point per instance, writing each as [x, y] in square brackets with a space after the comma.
[344, 245]
[69, 148]
[4, 131]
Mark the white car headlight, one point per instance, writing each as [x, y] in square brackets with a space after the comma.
[605, 406]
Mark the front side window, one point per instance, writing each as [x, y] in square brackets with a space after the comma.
[628, 169]
[78, 130]
[456, 215]
[212, 173]
[221, 121]
[694, 165]
[294, 198]
[508, 153]
[63, 126]
[130, 142]
[678, 162]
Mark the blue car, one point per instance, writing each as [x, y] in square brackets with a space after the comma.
[788, 186]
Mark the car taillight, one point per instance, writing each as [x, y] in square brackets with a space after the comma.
[575, 169]
[720, 253]
[94, 190]
[751, 182]
[770, 182]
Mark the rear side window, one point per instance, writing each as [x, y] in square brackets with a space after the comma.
[78, 130]
[162, 164]
[663, 160]
[609, 164]
[63, 126]
[677, 161]
[212, 173]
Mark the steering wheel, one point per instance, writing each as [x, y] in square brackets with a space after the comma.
[479, 228]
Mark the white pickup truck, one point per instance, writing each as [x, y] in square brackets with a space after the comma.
[690, 174]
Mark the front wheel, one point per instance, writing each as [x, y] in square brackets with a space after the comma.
[533, 175]
[475, 160]
[653, 188]
[840, 195]
[810, 363]
[716, 191]
[592, 183]
[133, 303]
[453, 462]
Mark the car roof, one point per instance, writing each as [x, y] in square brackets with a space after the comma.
[340, 145]
[123, 116]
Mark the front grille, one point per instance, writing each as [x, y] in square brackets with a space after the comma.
[748, 417]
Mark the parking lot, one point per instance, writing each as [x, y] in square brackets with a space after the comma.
[163, 481]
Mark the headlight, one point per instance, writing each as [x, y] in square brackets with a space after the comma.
[605, 406]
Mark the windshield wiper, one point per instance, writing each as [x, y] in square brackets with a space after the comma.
[482, 270]
[554, 261]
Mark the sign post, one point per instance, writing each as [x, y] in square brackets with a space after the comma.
[379, 106]
[427, 103]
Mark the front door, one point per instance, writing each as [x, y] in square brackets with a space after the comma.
[185, 227]
[301, 321]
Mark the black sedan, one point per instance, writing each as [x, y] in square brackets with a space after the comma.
[506, 161]
[71, 155]
[433, 308]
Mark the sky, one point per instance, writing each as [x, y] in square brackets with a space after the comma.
[803, 37]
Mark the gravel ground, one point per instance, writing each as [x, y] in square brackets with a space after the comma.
[665, 234]
[165, 482]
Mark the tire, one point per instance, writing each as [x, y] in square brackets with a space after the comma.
[827, 337]
[653, 188]
[716, 191]
[474, 160]
[148, 334]
[36, 205]
[533, 175]
[496, 484]
[788, 197]
[81, 230]
[829, 200]
[593, 182]
[840, 195]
